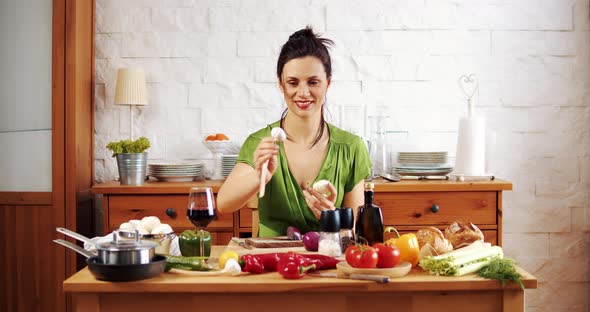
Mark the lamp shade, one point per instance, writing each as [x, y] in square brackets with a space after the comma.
[131, 89]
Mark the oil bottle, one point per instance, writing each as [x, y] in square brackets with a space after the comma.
[369, 223]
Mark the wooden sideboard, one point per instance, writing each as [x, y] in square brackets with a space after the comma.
[407, 205]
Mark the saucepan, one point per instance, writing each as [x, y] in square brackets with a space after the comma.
[118, 272]
[118, 251]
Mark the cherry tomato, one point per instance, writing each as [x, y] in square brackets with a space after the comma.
[388, 255]
[361, 256]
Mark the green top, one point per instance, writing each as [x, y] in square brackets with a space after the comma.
[345, 165]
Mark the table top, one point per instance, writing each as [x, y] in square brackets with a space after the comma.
[416, 280]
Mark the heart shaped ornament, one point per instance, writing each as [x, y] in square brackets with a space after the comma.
[469, 86]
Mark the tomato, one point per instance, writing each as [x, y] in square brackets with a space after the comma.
[226, 255]
[361, 256]
[388, 255]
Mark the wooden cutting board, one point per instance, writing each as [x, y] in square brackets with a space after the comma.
[273, 242]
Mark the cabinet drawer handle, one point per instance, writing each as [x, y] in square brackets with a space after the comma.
[435, 208]
[171, 212]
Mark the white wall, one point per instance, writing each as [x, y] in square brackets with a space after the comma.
[25, 95]
[211, 67]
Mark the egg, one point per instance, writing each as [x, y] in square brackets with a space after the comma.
[162, 229]
[321, 187]
[150, 223]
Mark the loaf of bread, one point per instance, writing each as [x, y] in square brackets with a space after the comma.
[461, 234]
[435, 238]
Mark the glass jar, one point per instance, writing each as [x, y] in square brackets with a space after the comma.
[329, 243]
[346, 224]
[378, 145]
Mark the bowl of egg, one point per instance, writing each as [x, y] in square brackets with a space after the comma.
[150, 229]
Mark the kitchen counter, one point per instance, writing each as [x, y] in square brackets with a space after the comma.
[417, 291]
[156, 187]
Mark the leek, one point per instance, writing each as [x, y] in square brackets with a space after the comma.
[462, 261]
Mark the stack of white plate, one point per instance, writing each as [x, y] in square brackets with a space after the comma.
[228, 163]
[422, 164]
[184, 172]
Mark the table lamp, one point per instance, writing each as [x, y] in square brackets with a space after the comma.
[130, 90]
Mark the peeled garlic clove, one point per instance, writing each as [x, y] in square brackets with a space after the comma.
[278, 134]
[321, 187]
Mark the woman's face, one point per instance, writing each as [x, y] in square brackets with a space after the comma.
[304, 85]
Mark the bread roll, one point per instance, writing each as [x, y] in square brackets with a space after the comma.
[435, 238]
[461, 234]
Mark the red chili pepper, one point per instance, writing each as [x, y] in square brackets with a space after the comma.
[261, 263]
[251, 264]
[292, 269]
[321, 262]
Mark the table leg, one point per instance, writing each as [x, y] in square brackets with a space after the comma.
[86, 302]
[513, 300]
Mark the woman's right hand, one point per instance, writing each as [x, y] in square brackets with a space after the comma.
[267, 150]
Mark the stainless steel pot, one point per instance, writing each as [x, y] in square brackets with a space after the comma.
[118, 272]
[117, 251]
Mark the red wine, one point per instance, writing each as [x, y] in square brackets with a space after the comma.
[201, 218]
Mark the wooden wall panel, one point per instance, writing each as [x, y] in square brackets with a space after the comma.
[26, 247]
[8, 258]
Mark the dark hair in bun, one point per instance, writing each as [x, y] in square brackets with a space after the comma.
[304, 43]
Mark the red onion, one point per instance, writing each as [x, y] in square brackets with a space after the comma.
[293, 233]
[311, 241]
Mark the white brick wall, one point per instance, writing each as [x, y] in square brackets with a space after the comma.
[210, 67]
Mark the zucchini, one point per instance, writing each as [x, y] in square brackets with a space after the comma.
[187, 263]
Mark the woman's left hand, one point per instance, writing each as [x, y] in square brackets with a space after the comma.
[318, 202]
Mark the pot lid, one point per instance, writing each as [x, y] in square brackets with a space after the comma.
[129, 245]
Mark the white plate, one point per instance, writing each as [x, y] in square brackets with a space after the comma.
[176, 179]
[401, 269]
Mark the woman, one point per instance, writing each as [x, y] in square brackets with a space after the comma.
[314, 150]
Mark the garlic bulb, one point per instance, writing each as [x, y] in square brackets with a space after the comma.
[150, 223]
[321, 187]
[278, 134]
[162, 229]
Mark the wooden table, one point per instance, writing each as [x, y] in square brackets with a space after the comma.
[417, 291]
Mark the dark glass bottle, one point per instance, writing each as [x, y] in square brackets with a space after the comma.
[369, 224]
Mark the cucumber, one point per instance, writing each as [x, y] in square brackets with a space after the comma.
[186, 263]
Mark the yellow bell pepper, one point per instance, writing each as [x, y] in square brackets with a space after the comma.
[407, 244]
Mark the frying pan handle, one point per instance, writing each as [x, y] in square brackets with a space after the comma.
[75, 235]
[75, 248]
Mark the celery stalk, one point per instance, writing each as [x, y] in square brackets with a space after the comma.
[473, 248]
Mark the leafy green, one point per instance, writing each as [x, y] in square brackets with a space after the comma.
[128, 146]
[501, 269]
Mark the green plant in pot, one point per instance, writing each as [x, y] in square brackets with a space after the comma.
[131, 159]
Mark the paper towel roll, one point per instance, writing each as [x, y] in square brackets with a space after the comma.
[471, 146]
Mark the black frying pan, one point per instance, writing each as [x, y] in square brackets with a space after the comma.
[118, 272]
